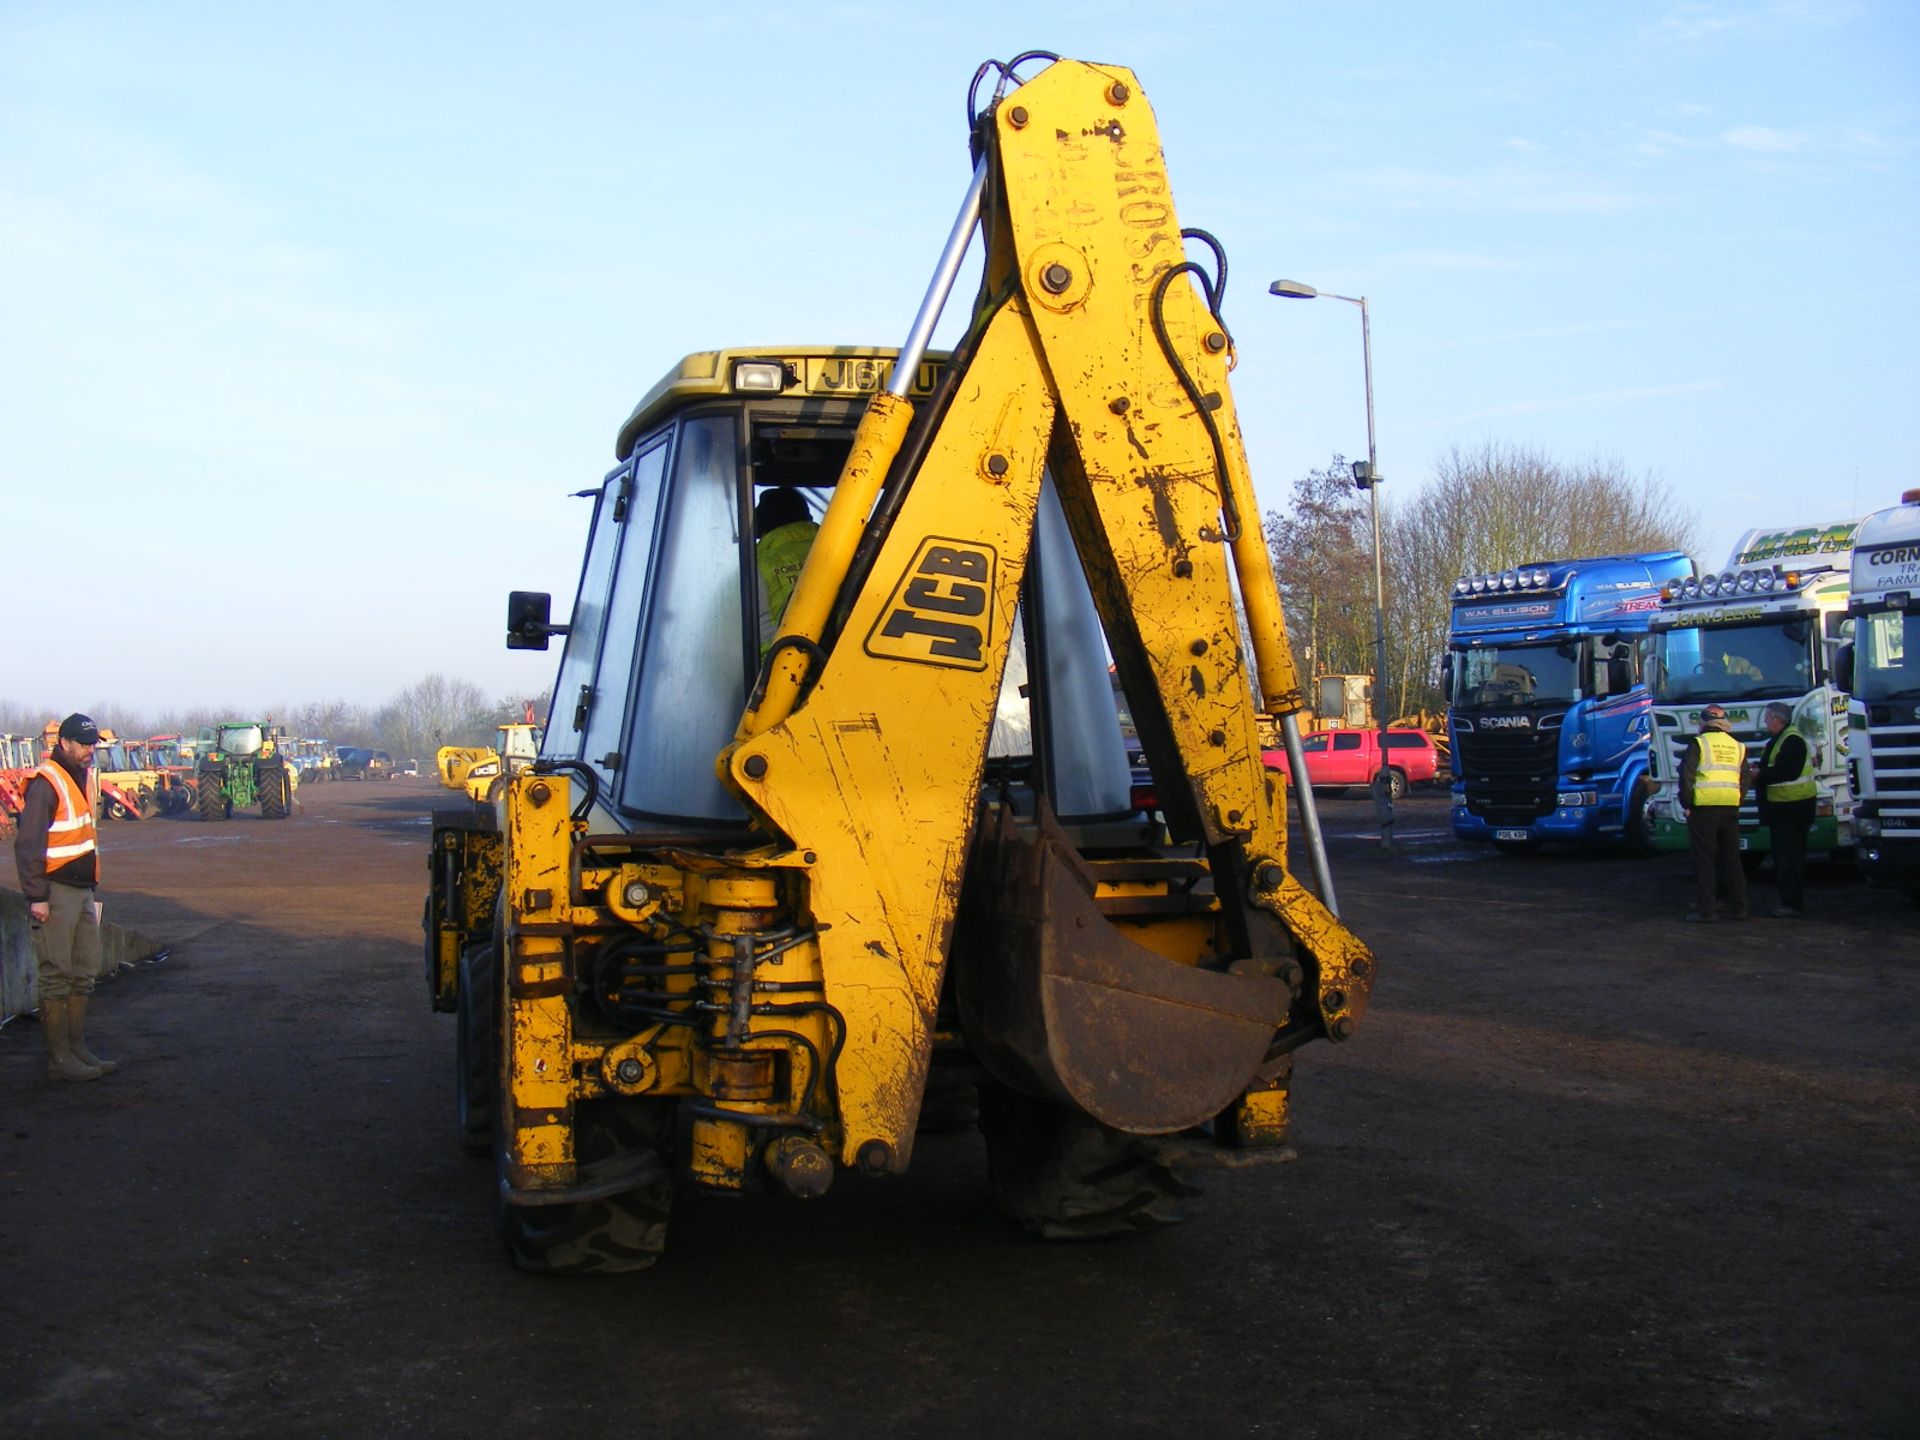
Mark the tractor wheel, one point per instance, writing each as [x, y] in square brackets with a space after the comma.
[1065, 1176]
[476, 1079]
[212, 797]
[275, 801]
[606, 1236]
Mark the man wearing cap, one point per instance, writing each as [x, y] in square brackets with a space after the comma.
[59, 865]
[1785, 791]
[1710, 786]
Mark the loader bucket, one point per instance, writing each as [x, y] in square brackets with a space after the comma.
[1057, 1001]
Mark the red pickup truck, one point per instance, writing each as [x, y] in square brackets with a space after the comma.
[1350, 757]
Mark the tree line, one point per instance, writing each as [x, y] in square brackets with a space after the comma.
[1489, 508]
[1485, 509]
[433, 711]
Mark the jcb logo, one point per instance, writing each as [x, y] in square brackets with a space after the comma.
[941, 612]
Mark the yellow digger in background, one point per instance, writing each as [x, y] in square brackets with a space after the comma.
[478, 770]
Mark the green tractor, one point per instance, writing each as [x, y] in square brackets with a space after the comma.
[240, 766]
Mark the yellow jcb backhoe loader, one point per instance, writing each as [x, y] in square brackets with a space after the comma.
[915, 862]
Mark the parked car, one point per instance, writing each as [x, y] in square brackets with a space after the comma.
[1350, 757]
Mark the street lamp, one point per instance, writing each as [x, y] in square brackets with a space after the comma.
[1366, 476]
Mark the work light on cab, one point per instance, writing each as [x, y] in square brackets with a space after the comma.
[764, 377]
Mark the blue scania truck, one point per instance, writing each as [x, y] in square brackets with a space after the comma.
[1549, 717]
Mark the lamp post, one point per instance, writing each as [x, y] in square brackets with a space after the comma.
[1366, 476]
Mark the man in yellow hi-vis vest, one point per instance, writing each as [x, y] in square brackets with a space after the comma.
[1783, 785]
[1711, 781]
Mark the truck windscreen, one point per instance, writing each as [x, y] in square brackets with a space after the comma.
[1495, 677]
[1770, 659]
[1888, 664]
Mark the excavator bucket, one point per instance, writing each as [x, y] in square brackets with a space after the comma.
[1058, 1001]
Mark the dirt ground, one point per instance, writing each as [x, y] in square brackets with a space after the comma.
[1585, 1170]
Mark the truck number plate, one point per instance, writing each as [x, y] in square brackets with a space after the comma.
[1511, 835]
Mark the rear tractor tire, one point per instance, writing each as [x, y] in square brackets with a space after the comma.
[1065, 1176]
[476, 1080]
[276, 800]
[211, 797]
[617, 1233]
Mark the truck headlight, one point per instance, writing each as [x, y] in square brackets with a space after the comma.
[1575, 798]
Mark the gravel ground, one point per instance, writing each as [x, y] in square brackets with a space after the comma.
[1584, 1170]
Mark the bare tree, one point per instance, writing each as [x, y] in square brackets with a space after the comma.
[1501, 506]
[436, 711]
[1322, 562]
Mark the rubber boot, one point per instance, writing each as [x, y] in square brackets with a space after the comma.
[62, 1064]
[77, 1036]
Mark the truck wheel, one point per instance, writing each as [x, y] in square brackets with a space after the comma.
[1065, 1176]
[1396, 783]
[211, 797]
[275, 803]
[1637, 833]
[599, 1237]
[476, 1076]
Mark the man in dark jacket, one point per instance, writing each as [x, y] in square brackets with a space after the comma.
[59, 866]
[1783, 785]
[1710, 790]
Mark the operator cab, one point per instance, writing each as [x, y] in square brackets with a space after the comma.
[672, 615]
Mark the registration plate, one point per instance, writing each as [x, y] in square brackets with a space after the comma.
[1511, 835]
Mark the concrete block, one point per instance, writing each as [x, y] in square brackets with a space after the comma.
[119, 946]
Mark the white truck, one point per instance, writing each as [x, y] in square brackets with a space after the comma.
[1770, 627]
[1885, 681]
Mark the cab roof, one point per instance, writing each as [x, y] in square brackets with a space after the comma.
[813, 372]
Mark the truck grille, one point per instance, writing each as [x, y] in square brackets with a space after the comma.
[1896, 767]
[1511, 776]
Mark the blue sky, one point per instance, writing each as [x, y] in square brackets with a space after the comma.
[310, 317]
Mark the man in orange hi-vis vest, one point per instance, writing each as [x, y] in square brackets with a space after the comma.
[59, 864]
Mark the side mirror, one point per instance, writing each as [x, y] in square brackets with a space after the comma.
[1843, 667]
[1619, 675]
[528, 622]
[1446, 675]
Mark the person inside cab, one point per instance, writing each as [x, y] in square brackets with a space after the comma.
[783, 531]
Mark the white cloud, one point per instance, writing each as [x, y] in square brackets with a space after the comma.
[1518, 190]
[1690, 22]
[1763, 139]
[1450, 260]
[1589, 401]
[1661, 142]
